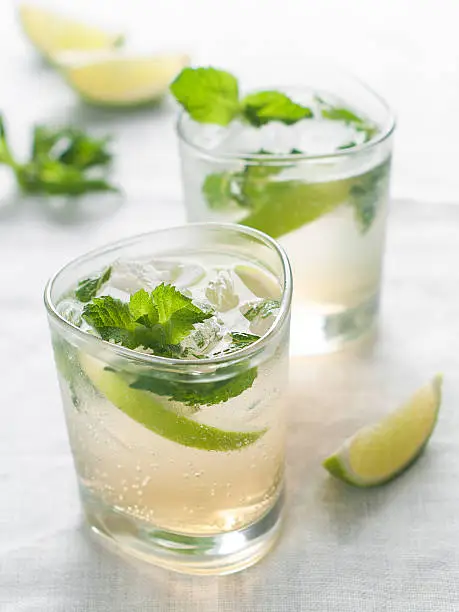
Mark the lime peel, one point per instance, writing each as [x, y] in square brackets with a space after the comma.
[379, 453]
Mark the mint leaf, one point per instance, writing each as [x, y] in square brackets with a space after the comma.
[348, 145]
[207, 94]
[218, 190]
[70, 146]
[112, 319]
[366, 194]
[228, 189]
[194, 393]
[55, 178]
[262, 309]
[176, 312]
[143, 309]
[338, 113]
[242, 340]
[264, 106]
[341, 114]
[212, 96]
[59, 162]
[88, 287]
[158, 321]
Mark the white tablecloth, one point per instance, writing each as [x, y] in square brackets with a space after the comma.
[390, 549]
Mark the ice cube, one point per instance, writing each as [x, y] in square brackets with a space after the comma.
[261, 314]
[71, 310]
[113, 292]
[188, 275]
[220, 292]
[130, 276]
[204, 337]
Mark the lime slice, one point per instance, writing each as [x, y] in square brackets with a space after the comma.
[149, 411]
[51, 33]
[288, 205]
[260, 283]
[119, 80]
[379, 453]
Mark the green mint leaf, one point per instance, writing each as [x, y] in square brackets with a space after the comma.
[218, 190]
[348, 145]
[158, 321]
[207, 94]
[70, 146]
[341, 114]
[88, 287]
[196, 394]
[265, 106]
[112, 319]
[337, 113]
[58, 163]
[55, 178]
[176, 313]
[143, 309]
[366, 193]
[241, 340]
[228, 189]
[262, 309]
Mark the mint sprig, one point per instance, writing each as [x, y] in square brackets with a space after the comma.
[63, 161]
[158, 320]
[88, 287]
[210, 95]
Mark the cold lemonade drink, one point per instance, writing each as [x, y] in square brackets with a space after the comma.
[172, 351]
[309, 166]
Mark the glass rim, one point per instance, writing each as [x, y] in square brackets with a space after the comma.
[156, 360]
[281, 158]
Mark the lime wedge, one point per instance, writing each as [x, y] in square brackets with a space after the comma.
[379, 453]
[51, 33]
[145, 408]
[260, 283]
[119, 80]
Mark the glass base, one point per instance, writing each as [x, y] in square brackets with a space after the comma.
[315, 333]
[224, 553]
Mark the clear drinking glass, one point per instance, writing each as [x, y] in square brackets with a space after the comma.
[197, 492]
[327, 208]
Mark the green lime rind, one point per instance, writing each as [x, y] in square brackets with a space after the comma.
[334, 466]
[144, 408]
[338, 466]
